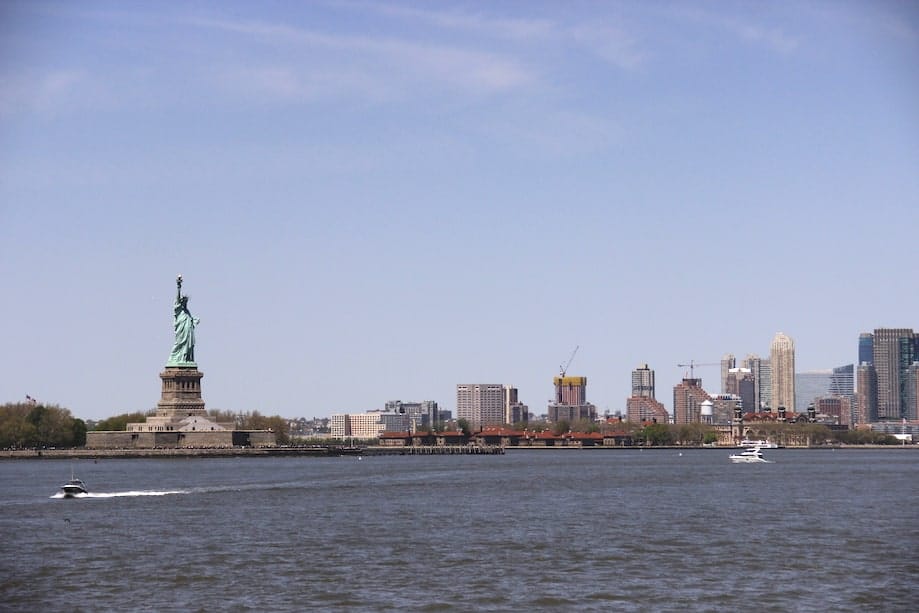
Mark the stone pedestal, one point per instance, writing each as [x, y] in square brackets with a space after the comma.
[181, 393]
[180, 413]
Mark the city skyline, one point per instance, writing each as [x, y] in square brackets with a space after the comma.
[371, 201]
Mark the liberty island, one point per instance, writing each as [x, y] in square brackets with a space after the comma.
[180, 420]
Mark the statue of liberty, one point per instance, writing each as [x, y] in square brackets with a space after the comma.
[183, 351]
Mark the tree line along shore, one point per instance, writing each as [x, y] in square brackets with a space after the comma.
[31, 427]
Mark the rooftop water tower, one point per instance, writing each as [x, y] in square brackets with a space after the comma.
[706, 411]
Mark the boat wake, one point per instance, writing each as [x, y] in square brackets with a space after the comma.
[123, 494]
[213, 489]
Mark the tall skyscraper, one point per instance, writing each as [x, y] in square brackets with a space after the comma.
[842, 385]
[866, 348]
[893, 353]
[911, 411]
[782, 358]
[481, 404]
[727, 363]
[740, 382]
[762, 380]
[642, 406]
[643, 382]
[866, 397]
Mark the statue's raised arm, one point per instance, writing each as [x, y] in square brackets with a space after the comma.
[183, 351]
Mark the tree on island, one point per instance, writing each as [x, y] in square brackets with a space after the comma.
[120, 422]
[256, 421]
[34, 425]
[656, 434]
[561, 427]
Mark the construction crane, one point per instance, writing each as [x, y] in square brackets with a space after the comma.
[564, 367]
[693, 364]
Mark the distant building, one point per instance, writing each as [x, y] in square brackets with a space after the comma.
[641, 405]
[837, 407]
[641, 409]
[866, 348]
[688, 397]
[866, 397]
[723, 407]
[894, 351]
[480, 404]
[911, 411]
[514, 411]
[571, 400]
[368, 425]
[782, 358]
[422, 414]
[643, 382]
[842, 382]
[810, 385]
[740, 382]
[727, 363]
[762, 380]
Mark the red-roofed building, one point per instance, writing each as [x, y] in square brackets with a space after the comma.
[396, 439]
[583, 439]
[498, 436]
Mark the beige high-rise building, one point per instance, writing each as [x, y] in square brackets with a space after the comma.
[481, 404]
[782, 358]
[727, 363]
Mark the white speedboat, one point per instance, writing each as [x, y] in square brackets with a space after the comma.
[749, 456]
[73, 487]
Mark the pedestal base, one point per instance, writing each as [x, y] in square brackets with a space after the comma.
[181, 392]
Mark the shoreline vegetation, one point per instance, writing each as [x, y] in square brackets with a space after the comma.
[333, 451]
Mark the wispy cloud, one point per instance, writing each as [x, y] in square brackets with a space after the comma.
[381, 64]
[774, 38]
[472, 22]
[52, 93]
[610, 44]
[745, 29]
[607, 39]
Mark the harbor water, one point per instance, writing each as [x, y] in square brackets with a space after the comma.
[591, 530]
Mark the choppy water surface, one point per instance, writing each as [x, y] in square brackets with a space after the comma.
[548, 530]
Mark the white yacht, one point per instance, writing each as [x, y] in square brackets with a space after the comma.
[760, 443]
[749, 456]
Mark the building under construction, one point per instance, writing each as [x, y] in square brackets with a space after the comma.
[570, 403]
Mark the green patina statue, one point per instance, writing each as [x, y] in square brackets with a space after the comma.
[183, 351]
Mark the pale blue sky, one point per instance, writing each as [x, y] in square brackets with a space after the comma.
[374, 201]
